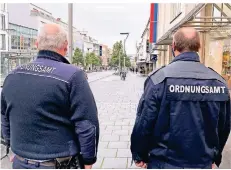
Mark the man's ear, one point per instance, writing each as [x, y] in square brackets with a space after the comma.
[174, 46]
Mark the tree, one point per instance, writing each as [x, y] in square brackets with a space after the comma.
[117, 52]
[92, 59]
[78, 57]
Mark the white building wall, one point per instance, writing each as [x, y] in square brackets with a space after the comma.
[166, 20]
[19, 13]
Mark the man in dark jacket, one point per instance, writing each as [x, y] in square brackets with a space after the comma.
[183, 118]
[49, 116]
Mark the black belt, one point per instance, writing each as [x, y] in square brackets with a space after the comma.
[44, 163]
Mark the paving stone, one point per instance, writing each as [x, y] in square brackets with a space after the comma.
[132, 123]
[105, 132]
[106, 138]
[121, 123]
[115, 163]
[124, 153]
[102, 127]
[98, 163]
[125, 138]
[127, 120]
[109, 153]
[108, 123]
[127, 127]
[103, 145]
[113, 127]
[120, 132]
[118, 145]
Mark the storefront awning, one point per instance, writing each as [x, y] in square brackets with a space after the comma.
[140, 62]
[218, 25]
[166, 39]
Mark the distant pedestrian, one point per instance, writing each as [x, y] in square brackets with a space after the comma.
[136, 70]
[183, 118]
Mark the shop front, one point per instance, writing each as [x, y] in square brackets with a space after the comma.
[226, 62]
[10, 60]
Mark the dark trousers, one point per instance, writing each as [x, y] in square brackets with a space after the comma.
[155, 164]
[18, 164]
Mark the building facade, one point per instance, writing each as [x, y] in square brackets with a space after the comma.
[33, 17]
[212, 20]
[3, 27]
[22, 39]
[105, 56]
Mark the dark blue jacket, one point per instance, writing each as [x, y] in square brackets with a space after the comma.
[49, 111]
[183, 117]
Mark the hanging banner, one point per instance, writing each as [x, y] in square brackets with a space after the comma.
[153, 22]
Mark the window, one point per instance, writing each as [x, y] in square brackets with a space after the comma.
[3, 24]
[176, 10]
[2, 42]
[14, 41]
[226, 63]
[3, 7]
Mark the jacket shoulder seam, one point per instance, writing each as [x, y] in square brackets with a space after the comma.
[216, 73]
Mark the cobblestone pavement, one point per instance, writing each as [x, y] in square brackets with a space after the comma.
[95, 76]
[117, 102]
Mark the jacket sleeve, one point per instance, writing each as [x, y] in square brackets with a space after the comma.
[5, 124]
[224, 128]
[145, 121]
[84, 117]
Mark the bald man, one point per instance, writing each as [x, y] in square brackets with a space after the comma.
[183, 117]
[49, 116]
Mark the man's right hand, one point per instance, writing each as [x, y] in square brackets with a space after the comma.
[214, 166]
[87, 166]
[141, 164]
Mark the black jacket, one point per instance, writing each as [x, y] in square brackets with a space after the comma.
[49, 111]
[183, 117]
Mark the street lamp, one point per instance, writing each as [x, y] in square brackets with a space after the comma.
[70, 30]
[125, 33]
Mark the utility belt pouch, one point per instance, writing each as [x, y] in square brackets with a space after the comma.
[71, 163]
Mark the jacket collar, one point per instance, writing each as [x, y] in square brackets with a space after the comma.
[51, 55]
[187, 56]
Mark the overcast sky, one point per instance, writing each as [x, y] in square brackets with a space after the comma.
[104, 22]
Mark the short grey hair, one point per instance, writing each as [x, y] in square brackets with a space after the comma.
[51, 42]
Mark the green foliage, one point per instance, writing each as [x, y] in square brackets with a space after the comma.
[78, 57]
[117, 52]
[91, 58]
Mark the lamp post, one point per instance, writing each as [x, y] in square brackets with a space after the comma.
[125, 33]
[70, 30]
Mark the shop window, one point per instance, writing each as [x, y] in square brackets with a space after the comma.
[2, 42]
[14, 41]
[226, 63]
[3, 7]
[3, 22]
